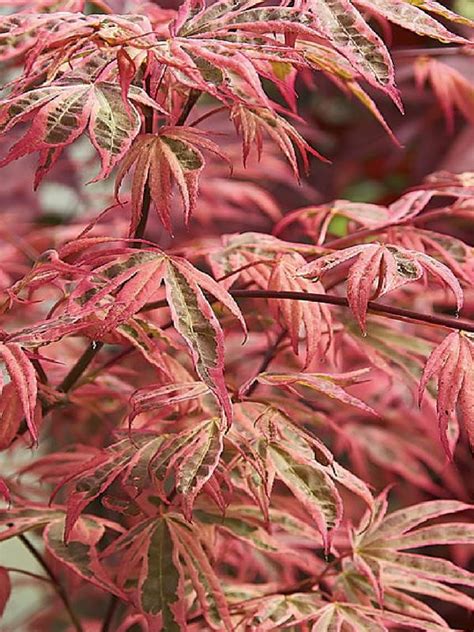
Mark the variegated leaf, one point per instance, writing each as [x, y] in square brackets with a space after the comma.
[161, 587]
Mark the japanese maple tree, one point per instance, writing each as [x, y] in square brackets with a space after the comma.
[237, 395]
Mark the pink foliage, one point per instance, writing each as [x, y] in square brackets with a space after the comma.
[218, 343]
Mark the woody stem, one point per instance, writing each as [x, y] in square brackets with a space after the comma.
[58, 587]
[398, 313]
[389, 311]
[188, 106]
[266, 360]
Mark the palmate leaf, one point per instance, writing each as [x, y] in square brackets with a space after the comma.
[355, 617]
[91, 479]
[350, 35]
[183, 462]
[312, 487]
[202, 575]
[380, 269]
[163, 465]
[314, 318]
[356, 588]
[221, 67]
[403, 580]
[172, 156]
[19, 32]
[63, 111]
[80, 554]
[380, 542]
[225, 52]
[251, 123]
[276, 612]
[270, 441]
[452, 362]
[133, 276]
[162, 552]
[42, 31]
[452, 90]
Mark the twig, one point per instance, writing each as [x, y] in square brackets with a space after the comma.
[81, 365]
[109, 614]
[417, 52]
[188, 106]
[12, 569]
[54, 581]
[398, 313]
[389, 311]
[266, 360]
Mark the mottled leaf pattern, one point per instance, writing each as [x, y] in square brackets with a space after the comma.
[379, 269]
[196, 322]
[172, 156]
[200, 461]
[80, 554]
[200, 482]
[312, 487]
[345, 28]
[62, 113]
[381, 542]
[203, 577]
[161, 590]
[410, 15]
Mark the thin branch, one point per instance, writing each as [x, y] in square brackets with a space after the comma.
[43, 378]
[188, 106]
[417, 52]
[145, 211]
[343, 242]
[60, 591]
[139, 231]
[205, 116]
[81, 365]
[110, 613]
[389, 311]
[21, 571]
[269, 355]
